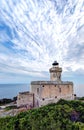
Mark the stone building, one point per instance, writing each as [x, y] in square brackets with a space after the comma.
[51, 91]
[25, 99]
[45, 92]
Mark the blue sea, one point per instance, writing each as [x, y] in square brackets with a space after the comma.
[11, 90]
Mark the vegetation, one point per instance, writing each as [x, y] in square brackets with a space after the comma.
[6, 100]
[10, 107]
[82, 98]
[64, 115]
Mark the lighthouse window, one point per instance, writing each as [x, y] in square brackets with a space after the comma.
[43, 99]
[60, 90]
[37, 90]
[54, 75]
[68, 86]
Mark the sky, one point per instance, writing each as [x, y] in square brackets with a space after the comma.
[34, 33]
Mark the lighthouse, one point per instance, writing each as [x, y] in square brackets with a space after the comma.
[55, 72]
[44, 92]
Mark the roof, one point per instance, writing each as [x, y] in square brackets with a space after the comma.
[55, 63]
[26, 93]
[50, 83]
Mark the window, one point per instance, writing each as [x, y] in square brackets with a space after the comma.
[59, 77]
[68, 86]
[60, 90]
[54, 74]
[38, 91]
[43, 99]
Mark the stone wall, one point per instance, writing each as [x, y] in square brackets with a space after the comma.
[55, 74]
[46, 92]
[25, 99]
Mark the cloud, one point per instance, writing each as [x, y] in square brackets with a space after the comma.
[35, 33]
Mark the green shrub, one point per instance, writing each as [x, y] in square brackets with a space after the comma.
[49, 117]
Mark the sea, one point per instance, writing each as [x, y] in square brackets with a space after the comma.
[12, 90]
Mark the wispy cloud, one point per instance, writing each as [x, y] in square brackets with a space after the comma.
[35, 33]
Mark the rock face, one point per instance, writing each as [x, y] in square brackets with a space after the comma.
[12, 112]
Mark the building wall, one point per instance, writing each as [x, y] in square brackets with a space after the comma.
[25, 99]
[55, 74]
[36, 89]
[45, 94]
